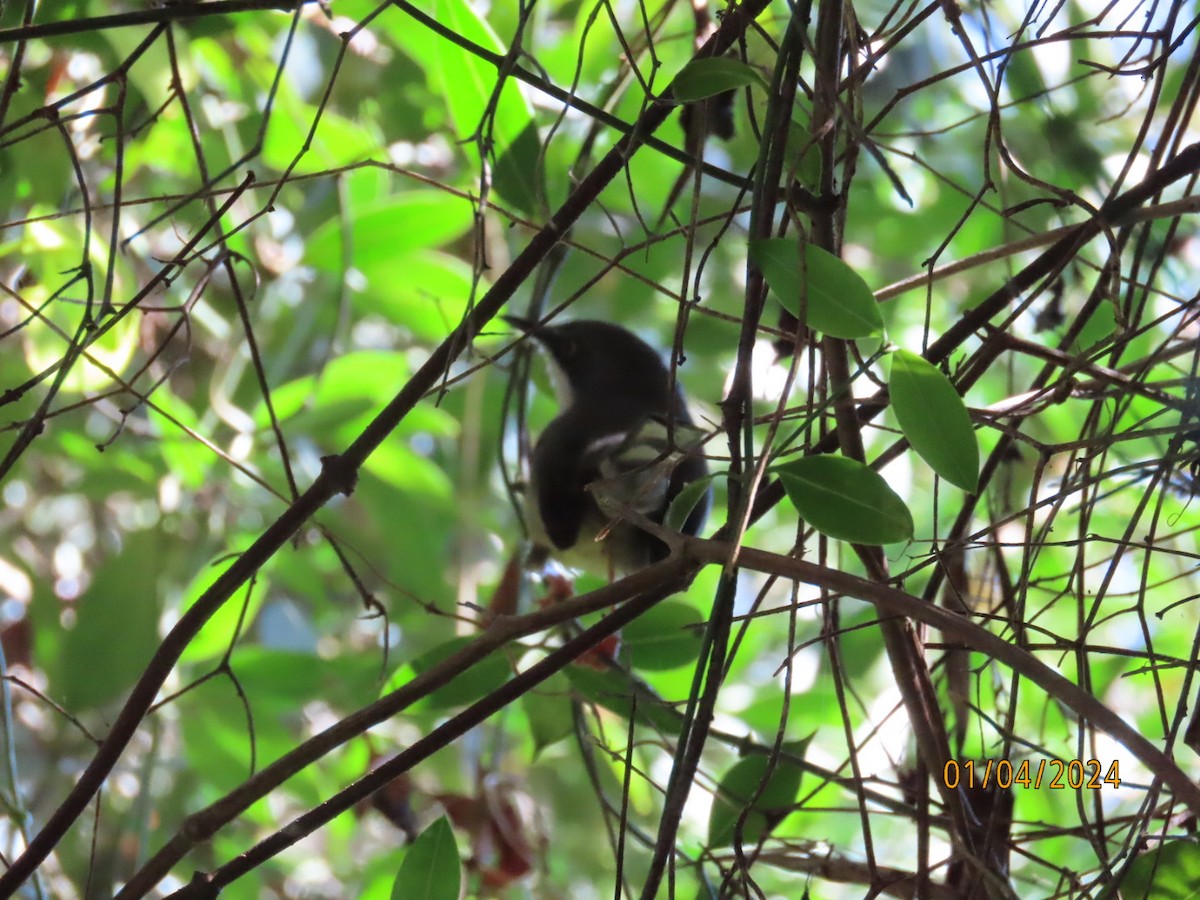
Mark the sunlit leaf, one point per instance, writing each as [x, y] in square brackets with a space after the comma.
[934, 418]
[392, 227]
[54, 247]
[336, 405]
[232, 620]
[337, 141]
[463, 82]
[838, 301]
[847, 500]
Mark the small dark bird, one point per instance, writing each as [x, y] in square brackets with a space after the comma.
[622, 440]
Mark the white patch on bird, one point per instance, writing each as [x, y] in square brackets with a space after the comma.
[559, 382]
[633, 473]
[635, 467]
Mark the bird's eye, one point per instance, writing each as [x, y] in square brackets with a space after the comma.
[568, 347]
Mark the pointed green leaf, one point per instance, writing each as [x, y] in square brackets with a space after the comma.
[839, 302]
[548, 709]
[667, 636]
[520, 175]
[846, 500]
[743, 786]
[707, 77]
[431, 870]
[934, 419]
[1166, 872]
[691, 496]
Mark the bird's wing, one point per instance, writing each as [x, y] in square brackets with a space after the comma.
[560, 482]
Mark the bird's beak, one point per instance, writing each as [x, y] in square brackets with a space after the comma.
[528, 326]
[540, 332]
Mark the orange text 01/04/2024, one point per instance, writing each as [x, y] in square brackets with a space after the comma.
[1055, 774]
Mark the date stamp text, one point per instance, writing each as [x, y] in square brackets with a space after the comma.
[1055, 774]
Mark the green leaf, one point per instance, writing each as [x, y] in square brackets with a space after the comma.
[406, 469]
[335, 406]
[666, 637]
[116, 627]
[1171, 871]
[612, 690]
[839, 303]
[462, 82]
[216, 734]
[692, 494]
[1099, 327]
[239, 611]
[548, 709]
[846, 500]
[739, 789]
[338, 140]
[1024, 77]
[394, 227]
[431, 869]
[466, 687]
[520, 173]
[36, 165]
[427, 291]
[707, 77]
[934, 418]
[281, 681]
